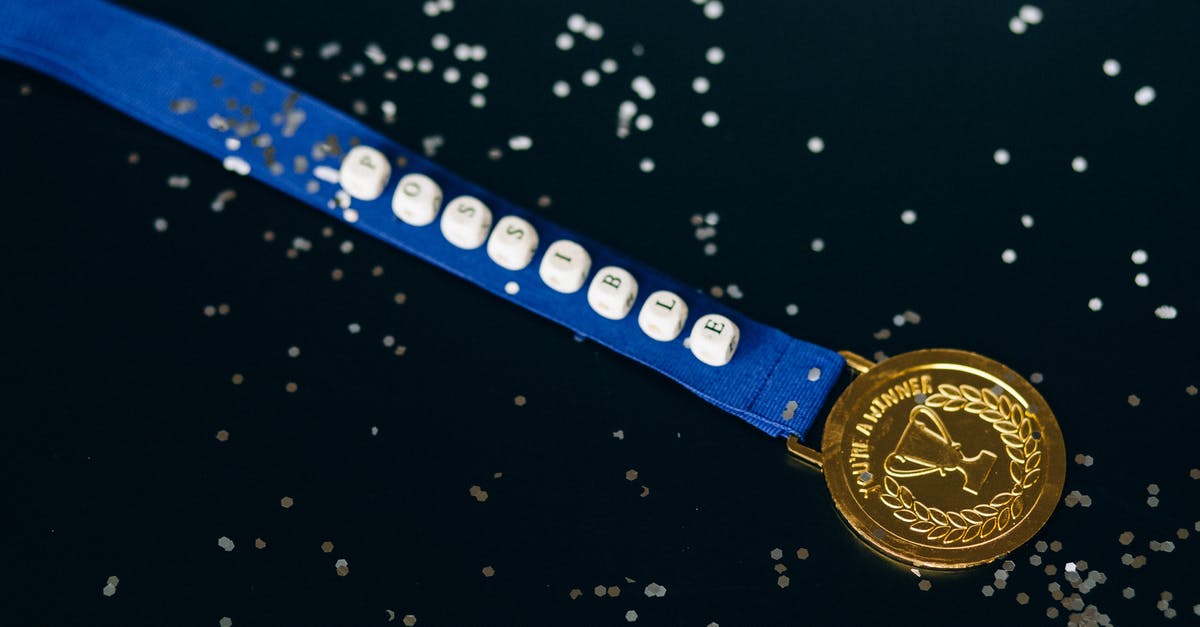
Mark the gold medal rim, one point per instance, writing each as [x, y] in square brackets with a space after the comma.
[839, 483]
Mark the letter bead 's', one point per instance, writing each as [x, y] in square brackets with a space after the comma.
[417, 199]
[466, 222]
[565, 266]
[714, 339]
[612, 292]
[364, 173]
[662, 316]
[512, 243]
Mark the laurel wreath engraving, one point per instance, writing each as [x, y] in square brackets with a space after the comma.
[982, 520]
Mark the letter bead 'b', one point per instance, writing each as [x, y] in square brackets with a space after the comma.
[662, 316]
[364, 173]
[714, 339]
[417, 199]
[612, 292]
[466, 222]
[565, 266]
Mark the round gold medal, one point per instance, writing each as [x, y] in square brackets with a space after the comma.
[943, 458]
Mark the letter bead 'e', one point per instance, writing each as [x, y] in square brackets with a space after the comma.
[714, 339]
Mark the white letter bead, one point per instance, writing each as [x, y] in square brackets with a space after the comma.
[466, 222]
[612, 292]
[512, 243]
[714, 339]
[662, 316]
[364, 173]
[565, 266]
[417, 199]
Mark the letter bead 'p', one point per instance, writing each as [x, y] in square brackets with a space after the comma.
[364, 173]
[612, 292]
[714, 339]
[662, 316]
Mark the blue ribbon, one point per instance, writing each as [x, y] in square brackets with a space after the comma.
[180, 85]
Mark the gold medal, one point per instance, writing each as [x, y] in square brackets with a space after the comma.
[941, 458]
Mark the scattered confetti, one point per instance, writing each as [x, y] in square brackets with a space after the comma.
[1166, 312]
[1145, 95]
[520, 142]
[110, 586]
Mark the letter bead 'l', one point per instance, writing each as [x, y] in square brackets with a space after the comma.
[662, 316]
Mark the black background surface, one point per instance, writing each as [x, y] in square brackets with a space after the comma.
[116, 382]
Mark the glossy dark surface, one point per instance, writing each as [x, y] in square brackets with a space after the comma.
[116, 382]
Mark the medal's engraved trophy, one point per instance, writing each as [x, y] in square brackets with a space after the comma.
[925, 447]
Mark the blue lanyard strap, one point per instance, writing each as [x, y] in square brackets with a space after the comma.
[183, 87]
